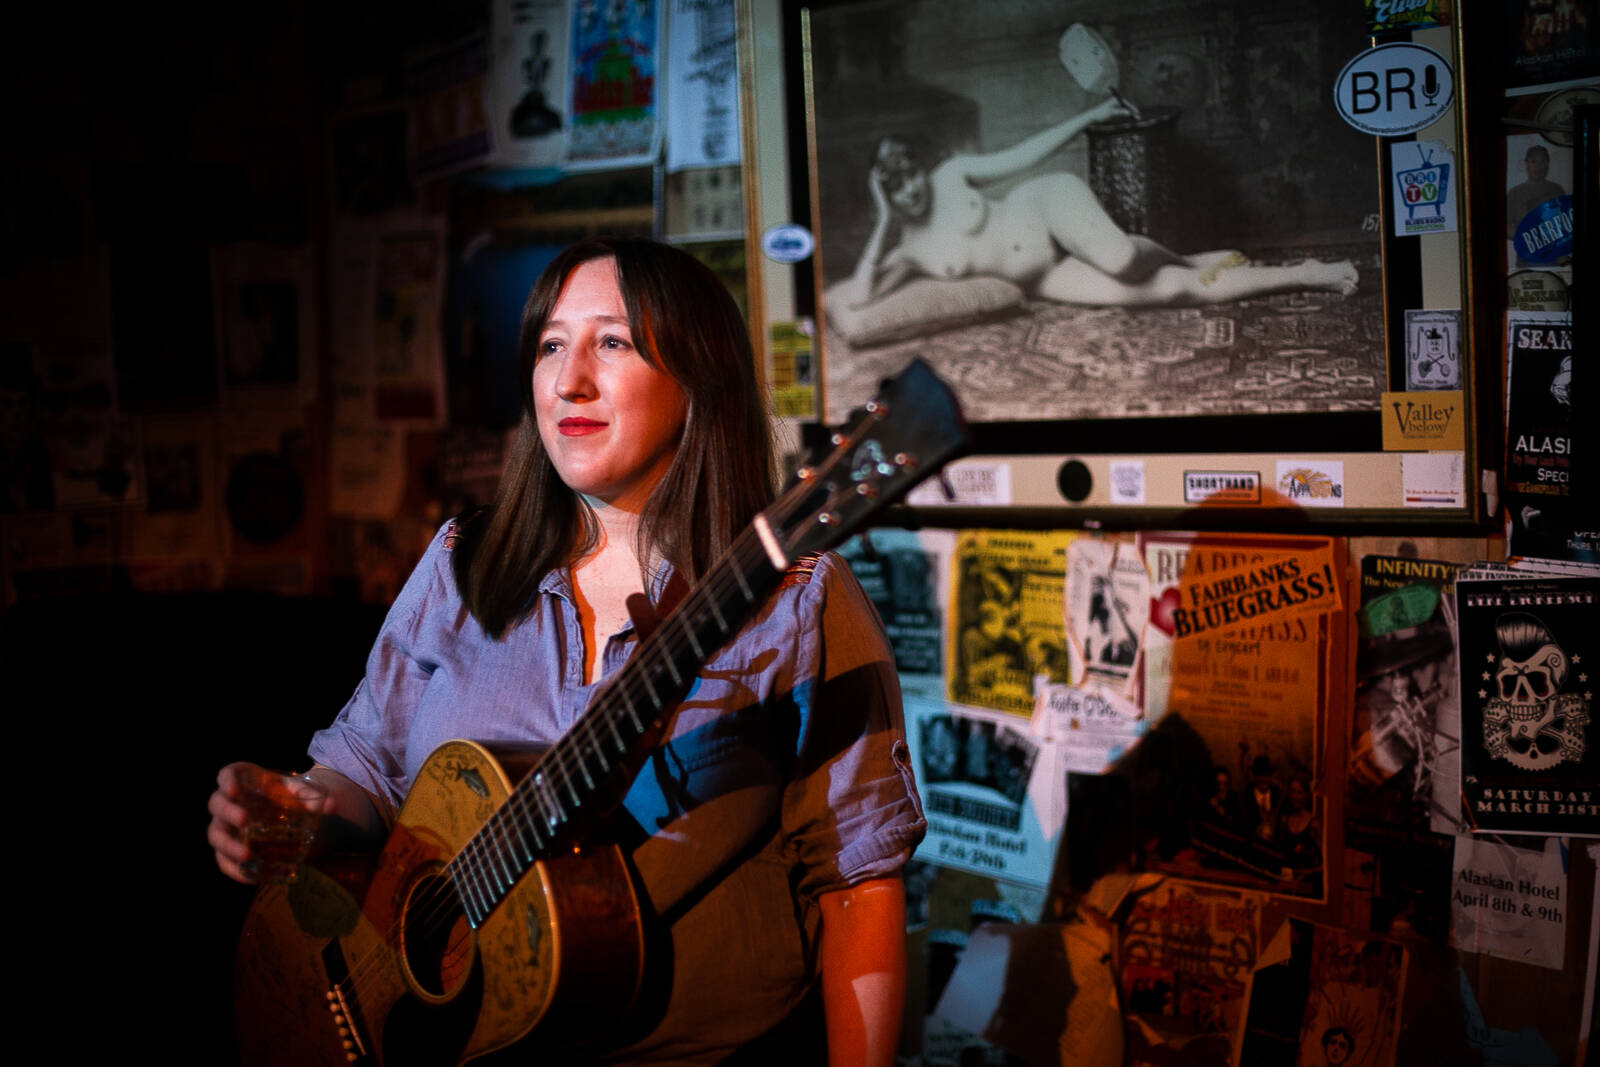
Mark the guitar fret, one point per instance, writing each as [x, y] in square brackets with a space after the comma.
[467, 885]
[711, 601]
[519, 820]
[672, 669]
[688, 631]
[541, 788]
[644, 676]
[599, 752]
[622, 746]
[733, 564]
[498, 860]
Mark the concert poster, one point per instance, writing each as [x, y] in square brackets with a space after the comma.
[1008, 635]
[1238, 650]
[1186, 953]
[614, 113]
[1539, 421]
[903, 573]
[1529, 647]
[987, 786]
[527, 95]
[1405, 680]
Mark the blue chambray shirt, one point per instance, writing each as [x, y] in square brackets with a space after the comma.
[784, 774]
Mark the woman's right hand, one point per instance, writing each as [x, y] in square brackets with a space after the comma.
[880, 198]
[228, 814]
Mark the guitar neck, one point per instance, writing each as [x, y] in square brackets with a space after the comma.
[584, 774]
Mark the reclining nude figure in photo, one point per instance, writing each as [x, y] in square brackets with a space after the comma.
[1048, 234]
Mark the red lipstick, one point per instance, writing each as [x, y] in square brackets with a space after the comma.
[576, 426]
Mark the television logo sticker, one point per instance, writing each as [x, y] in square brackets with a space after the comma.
[1312, 484]
[1394, 89]
[1422, 174]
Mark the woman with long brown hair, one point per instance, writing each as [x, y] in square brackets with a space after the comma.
[768, 829]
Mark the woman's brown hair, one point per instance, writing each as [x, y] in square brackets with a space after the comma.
[685, 323]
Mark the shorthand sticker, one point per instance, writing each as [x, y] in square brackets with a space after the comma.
[1222, 487]
[1394, 89]
[1424, 176]
[1312, 483]
[787, 243]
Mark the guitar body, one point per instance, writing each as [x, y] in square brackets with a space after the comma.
[410, 981]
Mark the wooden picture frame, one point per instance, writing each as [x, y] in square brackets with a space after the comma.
[1180, 412]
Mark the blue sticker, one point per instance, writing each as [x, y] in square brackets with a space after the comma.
[787, 243]
[1545, 234]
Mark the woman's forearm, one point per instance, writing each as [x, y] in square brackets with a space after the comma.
[865, 278]
[1019, 157]
[864, 971]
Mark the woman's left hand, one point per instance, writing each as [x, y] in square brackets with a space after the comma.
[1113, 107]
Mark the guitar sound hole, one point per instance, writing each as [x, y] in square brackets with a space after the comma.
[436, 938]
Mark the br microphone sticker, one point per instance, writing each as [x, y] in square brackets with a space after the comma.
[1394, 89]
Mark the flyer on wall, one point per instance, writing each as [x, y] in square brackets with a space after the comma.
[987, 788]
[1405, 680]
[614, 112]
[1528, 756]
[903, 573]
[527, 92]
[1238, 649]
[1322, 995]
[1107, 606]
[1186, 955]
[1539, 441]
[1008, 636]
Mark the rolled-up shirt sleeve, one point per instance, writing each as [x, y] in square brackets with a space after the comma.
[367, 740]
[851, 812]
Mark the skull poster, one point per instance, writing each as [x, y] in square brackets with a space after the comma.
[1529, 649]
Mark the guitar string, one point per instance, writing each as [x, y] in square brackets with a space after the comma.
[468, 864]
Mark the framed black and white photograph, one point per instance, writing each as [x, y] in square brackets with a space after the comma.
[1080, 210]
[1114, 227]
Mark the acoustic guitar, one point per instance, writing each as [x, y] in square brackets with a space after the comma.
[489, 918]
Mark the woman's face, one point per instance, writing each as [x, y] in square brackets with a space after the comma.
[610, 421]
[908, 192]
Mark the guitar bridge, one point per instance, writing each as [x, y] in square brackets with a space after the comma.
[342, 1004]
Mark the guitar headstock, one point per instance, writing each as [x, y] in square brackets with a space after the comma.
[902, 436]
